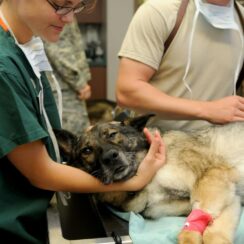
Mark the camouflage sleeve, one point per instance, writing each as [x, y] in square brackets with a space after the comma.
[68, 58]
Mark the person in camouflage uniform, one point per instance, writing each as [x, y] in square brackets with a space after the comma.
[68, 59]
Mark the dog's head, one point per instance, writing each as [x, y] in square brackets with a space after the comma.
[110, 151]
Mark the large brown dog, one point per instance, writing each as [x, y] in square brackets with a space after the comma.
[204, 170]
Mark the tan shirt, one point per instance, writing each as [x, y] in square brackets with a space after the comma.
[214, 57]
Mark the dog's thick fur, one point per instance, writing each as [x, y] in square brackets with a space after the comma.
[204, 169]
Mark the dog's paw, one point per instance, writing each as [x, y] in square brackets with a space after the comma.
[215, 237]
[190, 237]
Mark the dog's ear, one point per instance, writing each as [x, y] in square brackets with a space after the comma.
[139, 122]
[66, 142]
[122, 116]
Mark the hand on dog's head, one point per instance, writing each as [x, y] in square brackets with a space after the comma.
[111, 151]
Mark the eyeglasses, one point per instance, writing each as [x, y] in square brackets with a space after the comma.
[62, 10]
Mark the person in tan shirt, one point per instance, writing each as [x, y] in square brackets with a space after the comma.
[193, 83]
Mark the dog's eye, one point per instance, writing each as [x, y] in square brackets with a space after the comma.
[112, 135]
[86, 150]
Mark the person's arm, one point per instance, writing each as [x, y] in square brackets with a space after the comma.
[134, 91]
[33, 161]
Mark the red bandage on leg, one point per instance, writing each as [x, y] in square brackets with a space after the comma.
[197, 221]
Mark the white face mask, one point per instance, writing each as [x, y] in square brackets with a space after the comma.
[221, 17]
[34, 52]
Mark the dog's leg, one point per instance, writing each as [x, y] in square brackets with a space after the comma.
[212, 193]
[168, 208]
[222, 230]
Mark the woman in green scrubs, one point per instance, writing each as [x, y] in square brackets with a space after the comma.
[29, 173]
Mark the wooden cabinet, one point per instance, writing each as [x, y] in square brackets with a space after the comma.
[97, 15]
[98, 83]
[93, 29]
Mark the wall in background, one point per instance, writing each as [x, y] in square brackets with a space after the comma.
[118, 17]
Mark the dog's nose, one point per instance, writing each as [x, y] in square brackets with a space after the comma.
[109, 156]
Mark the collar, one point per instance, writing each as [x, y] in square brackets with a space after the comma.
[3, 25]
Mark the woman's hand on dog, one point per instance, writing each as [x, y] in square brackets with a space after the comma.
[156, 154]
[154, 159]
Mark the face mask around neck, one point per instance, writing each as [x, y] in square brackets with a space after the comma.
[221, 17]
[33, 50]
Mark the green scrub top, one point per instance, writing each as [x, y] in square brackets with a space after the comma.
[22, 206]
